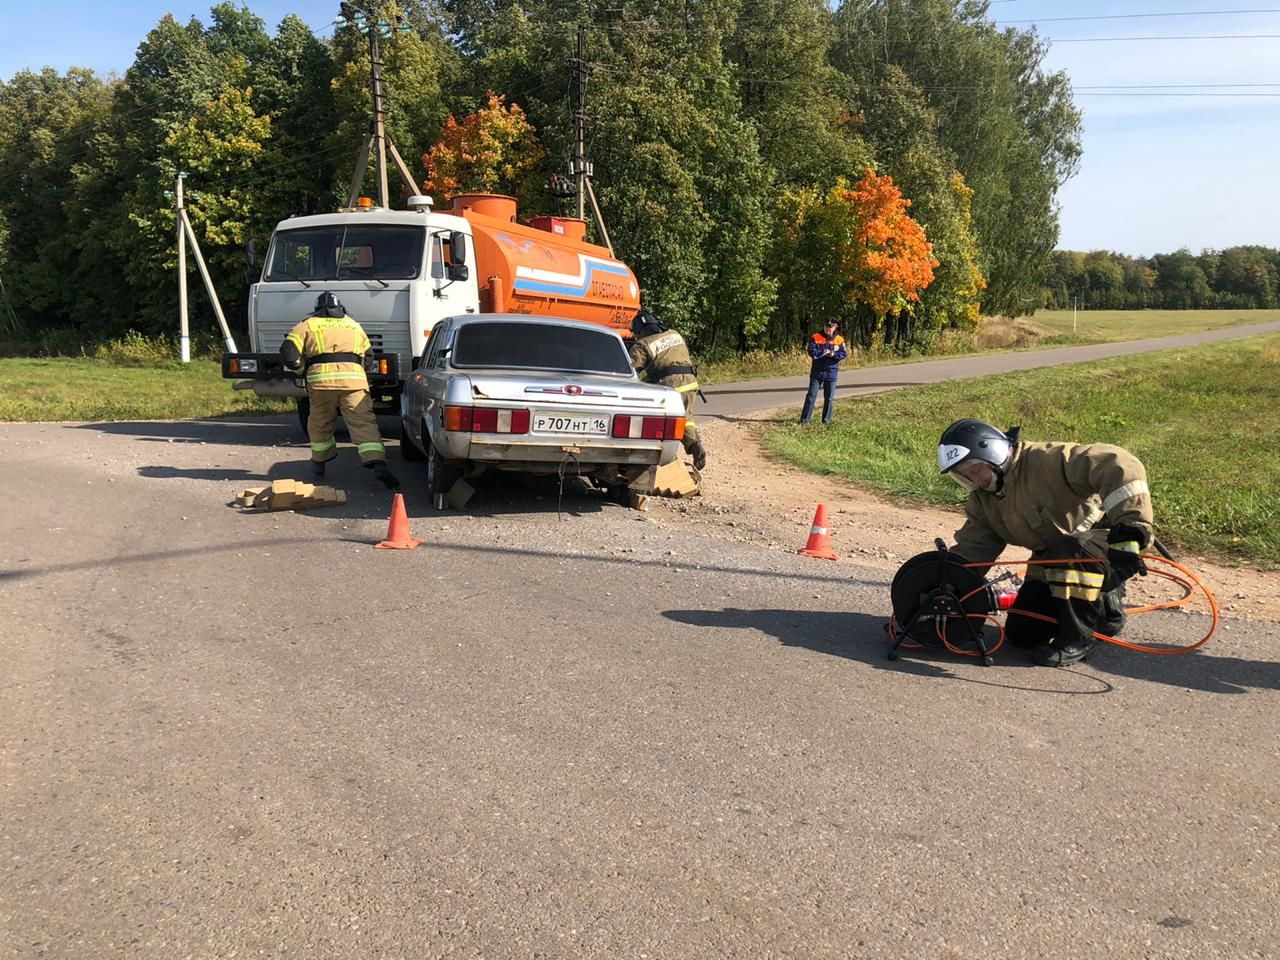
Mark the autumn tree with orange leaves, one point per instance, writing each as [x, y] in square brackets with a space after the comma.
[854, 253]
[494, 150]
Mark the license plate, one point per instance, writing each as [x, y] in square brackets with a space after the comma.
[560, 423]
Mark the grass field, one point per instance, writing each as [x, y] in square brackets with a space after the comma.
[1202, 420]
[64, 388]
[1047, 328]
[1108, 326]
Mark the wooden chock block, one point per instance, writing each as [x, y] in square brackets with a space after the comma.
[675, 480]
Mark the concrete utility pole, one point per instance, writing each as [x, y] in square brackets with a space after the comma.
[184, 334]
[363, 17]
[184, 227]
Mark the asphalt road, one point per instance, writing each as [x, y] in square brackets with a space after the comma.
[566, 729]
[732, 399]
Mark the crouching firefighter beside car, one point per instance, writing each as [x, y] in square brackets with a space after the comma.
[661, 356]
[331, 347]
[1086, 503]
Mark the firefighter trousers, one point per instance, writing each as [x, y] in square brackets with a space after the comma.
[1081, 598]
[356, 407]
[688, 389]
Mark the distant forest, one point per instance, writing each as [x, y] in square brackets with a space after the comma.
[761, 164]
[754, 159]
[1238, 278]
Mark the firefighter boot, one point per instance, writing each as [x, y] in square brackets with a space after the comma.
[317, 470]
[389, 479]
[1062, 655]
[699, 453]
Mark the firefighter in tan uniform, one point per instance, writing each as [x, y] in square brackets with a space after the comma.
[331, 346]
[661, 356]
[1062, 501]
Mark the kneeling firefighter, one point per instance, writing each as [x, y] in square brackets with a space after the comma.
[332, 347]
[1087, 503]
[661, 356]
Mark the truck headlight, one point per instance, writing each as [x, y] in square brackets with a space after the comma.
[248, 366]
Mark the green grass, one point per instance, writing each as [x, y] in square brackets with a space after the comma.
[1047, 328]
[1109, 326]
[1203, 421]
[755, 365]
[63, 388]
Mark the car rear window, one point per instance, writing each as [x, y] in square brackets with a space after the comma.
[541, 346]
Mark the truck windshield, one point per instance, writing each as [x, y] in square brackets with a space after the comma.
[540, 346]
[341, 252]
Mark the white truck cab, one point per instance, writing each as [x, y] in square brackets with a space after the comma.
[396, 272]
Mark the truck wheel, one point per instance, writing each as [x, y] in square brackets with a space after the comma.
[304, 413]
[440, 476]
[408, 449]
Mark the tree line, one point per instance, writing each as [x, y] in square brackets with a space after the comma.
[1238, 278]
[760, 164]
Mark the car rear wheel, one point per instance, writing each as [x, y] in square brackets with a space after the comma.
[440, 475]
[408, 449]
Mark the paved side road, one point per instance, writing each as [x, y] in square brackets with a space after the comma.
[566, 729]
[731, 399]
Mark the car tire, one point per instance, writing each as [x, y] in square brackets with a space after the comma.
[440, 475]
[408, 449]
[618, 493]
[304, 414]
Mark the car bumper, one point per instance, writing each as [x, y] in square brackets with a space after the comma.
[516, 454]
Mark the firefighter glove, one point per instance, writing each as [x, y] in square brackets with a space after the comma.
[699, 455]
[1124, 550]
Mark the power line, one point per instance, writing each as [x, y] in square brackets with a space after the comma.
[1134, 16]
[1194, 36]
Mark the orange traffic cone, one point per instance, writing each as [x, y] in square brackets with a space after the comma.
[819, 544]
[398, 537]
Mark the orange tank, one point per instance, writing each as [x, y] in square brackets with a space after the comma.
[545, 269]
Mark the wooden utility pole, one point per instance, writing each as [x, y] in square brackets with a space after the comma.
[364, 18]
[580, 120]
[580, 167]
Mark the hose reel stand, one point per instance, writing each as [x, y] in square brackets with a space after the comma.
[939, 602]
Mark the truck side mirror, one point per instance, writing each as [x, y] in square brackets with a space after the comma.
[458, 248]
[458, 271]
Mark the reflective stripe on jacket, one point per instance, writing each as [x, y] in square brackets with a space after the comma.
[1053, 490]
[317, 335]
[652, 354]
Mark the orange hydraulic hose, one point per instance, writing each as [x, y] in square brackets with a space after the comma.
[1183, 578]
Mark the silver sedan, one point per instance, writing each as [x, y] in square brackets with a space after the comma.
[536, 395]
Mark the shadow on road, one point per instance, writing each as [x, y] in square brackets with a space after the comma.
[240, 431]
[168, 473]
[430, 550]
[861, 637]
[1196, 671]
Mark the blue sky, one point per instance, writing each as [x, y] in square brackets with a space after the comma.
[1181, 137]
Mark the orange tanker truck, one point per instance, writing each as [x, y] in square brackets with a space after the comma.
[399, 272]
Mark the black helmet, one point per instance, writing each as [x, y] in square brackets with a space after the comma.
[967, 440]
[328, 305]
[645, 324]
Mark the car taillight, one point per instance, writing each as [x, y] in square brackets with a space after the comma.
[647, 428]
[485, 420]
